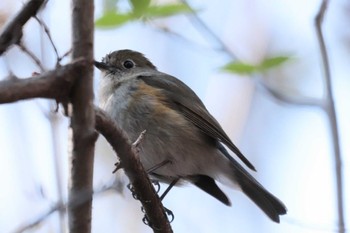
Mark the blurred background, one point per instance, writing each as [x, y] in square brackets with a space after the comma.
[289, 144]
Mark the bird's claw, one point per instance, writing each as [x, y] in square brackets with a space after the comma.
[169, 214]
[156, 185]
[132, 190]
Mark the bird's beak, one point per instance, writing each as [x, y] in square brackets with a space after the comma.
[101, 65]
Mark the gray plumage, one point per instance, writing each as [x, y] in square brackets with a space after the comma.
[178, 128]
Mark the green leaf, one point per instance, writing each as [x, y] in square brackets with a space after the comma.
[113, 19]
[245, 68]
[240, 68]
[139, 6]
[166, 10]
[271, 62]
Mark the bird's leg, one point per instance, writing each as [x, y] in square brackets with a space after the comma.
[171, 185]
[159, 165]
[168, 212]
[155, 167]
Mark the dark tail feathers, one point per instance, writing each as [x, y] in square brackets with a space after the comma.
[267, 202]
[254, 190]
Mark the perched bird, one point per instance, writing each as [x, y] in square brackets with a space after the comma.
[183, 140]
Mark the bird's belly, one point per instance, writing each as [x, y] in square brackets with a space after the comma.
[169, 137]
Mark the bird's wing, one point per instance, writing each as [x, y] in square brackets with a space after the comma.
[181, 97]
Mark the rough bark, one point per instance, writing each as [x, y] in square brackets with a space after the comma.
[55, 84]
[134, 170]
[82, 119]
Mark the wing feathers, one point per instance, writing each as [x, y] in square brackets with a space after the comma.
[180, 97]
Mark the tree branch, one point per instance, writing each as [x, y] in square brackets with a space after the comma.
[290, 99]
[83, 118]
[135, 171]
[330, 110]
[196, 20]
[280, 96]
[12, 33]
[62, 206]
[55, 84]
[32, 56]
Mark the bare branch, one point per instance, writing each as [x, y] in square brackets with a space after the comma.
[330, 110]
[31, 55]
[83, 118]
[62, 206]
[55, 84]
[280, 96]
[55, 121]
[135, 171]
[47, 32]
[196, 20]
[12, 33]
[288, 99]
[63, 56]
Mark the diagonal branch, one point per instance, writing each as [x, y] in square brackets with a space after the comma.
[55, 84]
[31, 55]
[290, 99]
[135, 171]
[12, 33]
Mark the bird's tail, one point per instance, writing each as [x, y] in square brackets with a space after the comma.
[267, 202]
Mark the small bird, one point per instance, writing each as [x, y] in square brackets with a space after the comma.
[184, 142]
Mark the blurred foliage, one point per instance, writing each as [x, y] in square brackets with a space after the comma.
[115, 15]
[245, 68]
[140, 10]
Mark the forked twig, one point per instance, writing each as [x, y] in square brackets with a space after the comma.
[330, 110]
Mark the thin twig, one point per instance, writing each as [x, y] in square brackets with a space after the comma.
[32, 56]
[290, 99]
[330, 110]
[139, 139]
[55, 123]
[61, 206]
[186, 41]
[63, 56]
[47, 32]
[198, 21]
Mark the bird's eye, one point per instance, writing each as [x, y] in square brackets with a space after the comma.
[128, 64]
